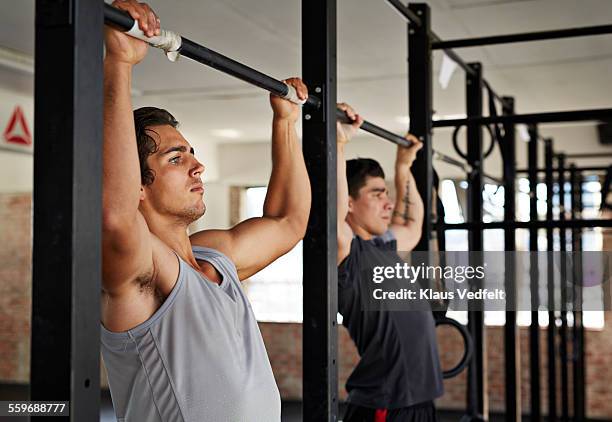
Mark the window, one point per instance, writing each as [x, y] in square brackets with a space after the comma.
[276, 291]
[493, 201]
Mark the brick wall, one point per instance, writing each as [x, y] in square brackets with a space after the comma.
[283, 341]
[15, 286]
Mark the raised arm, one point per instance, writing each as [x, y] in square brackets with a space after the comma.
[344, 132]
[255, 243]
[126, 240]
[407, 220]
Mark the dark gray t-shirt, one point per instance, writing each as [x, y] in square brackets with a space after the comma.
[200, 357]
[399, 365]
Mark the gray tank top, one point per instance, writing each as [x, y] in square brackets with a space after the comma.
[200, 357]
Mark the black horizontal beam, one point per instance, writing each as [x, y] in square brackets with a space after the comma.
[549, 117]
[579, 169]
[590, 155]
[544, 224]
[523, 37]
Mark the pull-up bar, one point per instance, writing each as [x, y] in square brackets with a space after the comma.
[175, 45]
[396, 139]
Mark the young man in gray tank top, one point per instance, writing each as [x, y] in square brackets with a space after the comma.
[179, 339]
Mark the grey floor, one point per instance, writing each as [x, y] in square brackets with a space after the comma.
[291, 410]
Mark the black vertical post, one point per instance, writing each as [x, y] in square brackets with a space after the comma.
[575, 189]
[579, 344]
[320, 374]
[420, 103]
[534, 327]
[477, 370]
[65, 348]
[551, 331]
[563, 328]
[511, 334]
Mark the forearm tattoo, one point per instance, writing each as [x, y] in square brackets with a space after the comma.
[407, 204]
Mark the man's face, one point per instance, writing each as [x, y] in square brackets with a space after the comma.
[372, 209]
[177, 190]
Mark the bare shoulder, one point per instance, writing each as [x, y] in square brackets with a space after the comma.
[220, 240]
[165, 266]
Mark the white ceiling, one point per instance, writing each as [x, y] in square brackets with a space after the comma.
[265, 34]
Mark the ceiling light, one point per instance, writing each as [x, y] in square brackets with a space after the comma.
[227, 133]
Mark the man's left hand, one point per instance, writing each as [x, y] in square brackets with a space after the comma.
[406, 155]
[285, 109]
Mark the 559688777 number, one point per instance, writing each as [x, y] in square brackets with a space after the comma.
[23, 408]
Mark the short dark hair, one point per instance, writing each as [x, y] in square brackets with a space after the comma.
[144, 118]
[357, 172]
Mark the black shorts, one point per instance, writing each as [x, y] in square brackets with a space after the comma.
[422, 412]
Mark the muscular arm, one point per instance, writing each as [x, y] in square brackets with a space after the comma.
[344, 232]
[344, 132]
[255, 243]
[126, 243]
[407, 220]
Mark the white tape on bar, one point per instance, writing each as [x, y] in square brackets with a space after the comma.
[166, 40]
[292, 95]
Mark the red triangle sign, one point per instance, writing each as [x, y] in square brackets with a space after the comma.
[17, 131]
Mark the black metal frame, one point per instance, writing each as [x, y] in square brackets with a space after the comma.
[418, 23]
[555, 170]
[551, 331]
[67, 202]
[578, 344]
[556, 224]
[320, 331]
[511, 333]
[534, 326]
[589, 155]
[564, 299]
[68, 106]
[532, 118]
[478, 394]
[418, 29]
[523, 37]
[420, 106]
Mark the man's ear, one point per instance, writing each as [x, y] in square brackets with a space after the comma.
[142, 193]
[350, 204]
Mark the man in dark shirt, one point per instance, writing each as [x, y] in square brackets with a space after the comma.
[398, 375]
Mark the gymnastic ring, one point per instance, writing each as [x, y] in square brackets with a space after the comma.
[464, 156]
[467, 341]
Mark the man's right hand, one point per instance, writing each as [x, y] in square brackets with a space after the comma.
[123, 48]
[345, 131]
